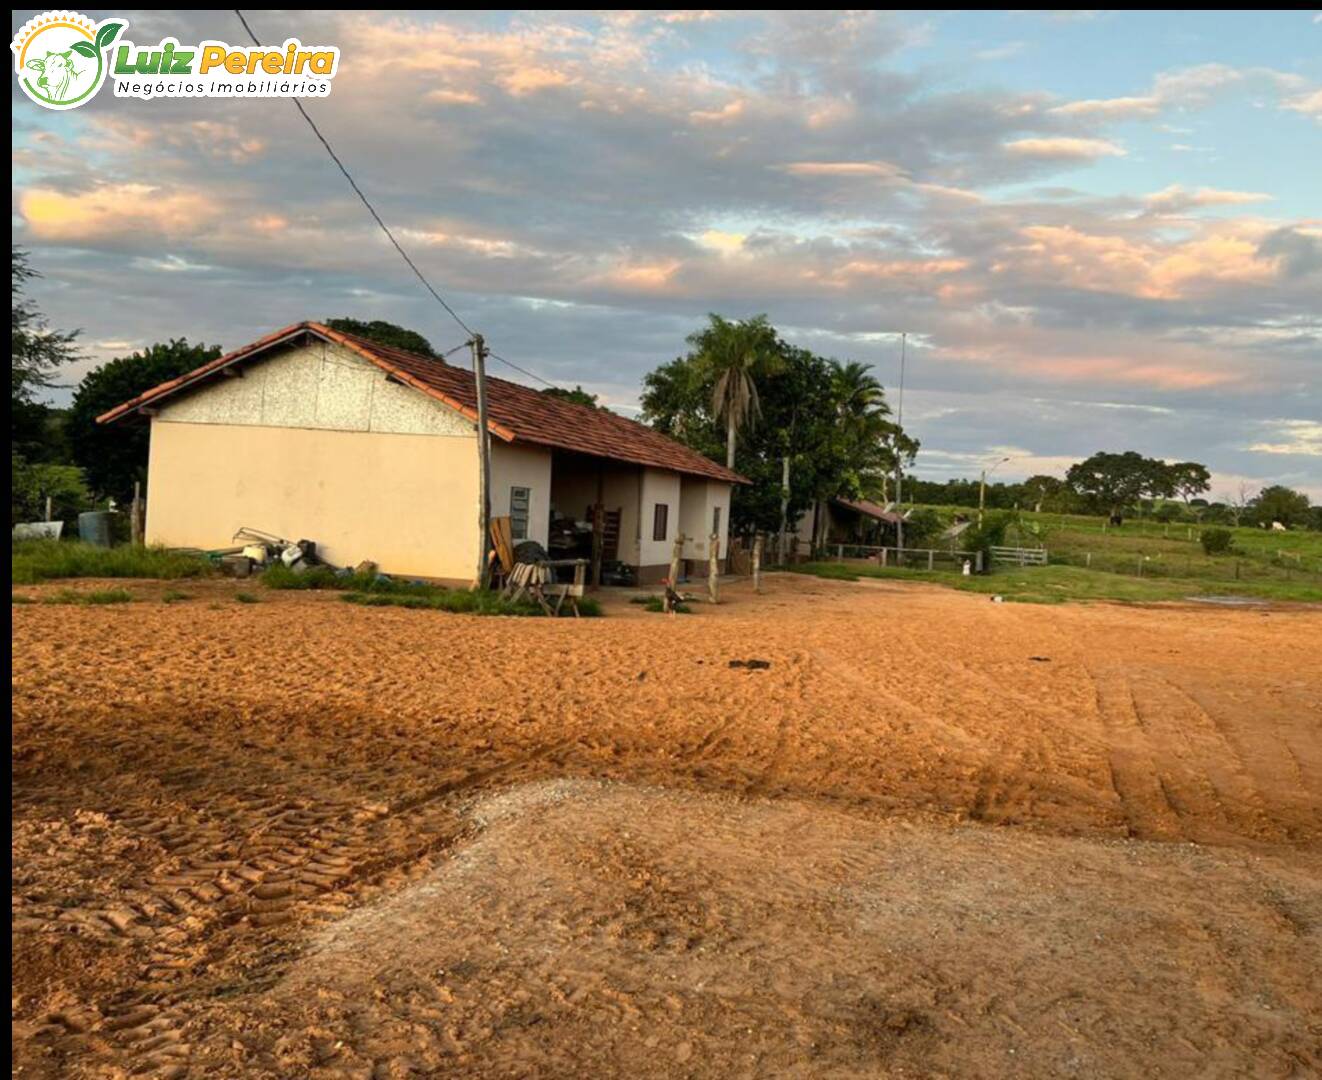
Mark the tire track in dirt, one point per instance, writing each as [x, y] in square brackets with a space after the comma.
[1143, 798]
[200, 920]
[1219, 758]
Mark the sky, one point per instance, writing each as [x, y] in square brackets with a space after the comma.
[1098, 230]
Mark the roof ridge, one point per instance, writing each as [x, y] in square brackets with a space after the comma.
[516, 412]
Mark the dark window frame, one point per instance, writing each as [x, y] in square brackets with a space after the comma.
[660, 521]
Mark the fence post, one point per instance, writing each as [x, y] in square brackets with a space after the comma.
[757, 563]
[135, 525]
[931, 557]
[713, 568]
[1087, 560]
[977, 559]
[676, 553]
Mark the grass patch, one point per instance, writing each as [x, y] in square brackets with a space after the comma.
[657, 603]
[247, 598]
[94, 597]
[280, 576]
[1059, 584]
[463, 602]
[18, 598]
[31, 561]
[174, 596]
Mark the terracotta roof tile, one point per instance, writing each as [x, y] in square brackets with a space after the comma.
[514, 413]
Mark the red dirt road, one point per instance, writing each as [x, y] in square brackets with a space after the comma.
[305, 838]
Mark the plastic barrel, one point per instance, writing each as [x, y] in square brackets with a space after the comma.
[94, 528]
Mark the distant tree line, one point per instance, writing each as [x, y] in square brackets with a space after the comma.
[1120, 485]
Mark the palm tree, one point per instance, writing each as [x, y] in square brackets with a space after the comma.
[734, 353]
[856, 390]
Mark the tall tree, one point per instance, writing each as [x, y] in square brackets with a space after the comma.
[1189, 479]
[385, 333]
[114, 457]
[803, 415]
[735, 354]
[1113, 482]
[37, 353]
[1280, 503]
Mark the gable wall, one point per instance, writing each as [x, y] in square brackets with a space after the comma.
[318, 385]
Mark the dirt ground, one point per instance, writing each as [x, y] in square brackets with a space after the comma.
[936, 836]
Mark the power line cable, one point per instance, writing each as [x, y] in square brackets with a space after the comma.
[386, 229]
[359, 192]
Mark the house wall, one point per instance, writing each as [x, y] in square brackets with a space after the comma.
[320, 385]
[317, 443]
[698, 501]
[659, 486]
[407, 502]
[522, 466]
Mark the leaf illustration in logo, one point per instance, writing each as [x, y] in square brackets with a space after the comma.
[107, 34]
[84, 48]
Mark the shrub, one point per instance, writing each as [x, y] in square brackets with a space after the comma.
[1216, 541]
[31, 482]
[991, 533]
[247, 598]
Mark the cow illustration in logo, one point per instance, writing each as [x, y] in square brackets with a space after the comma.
[59, 57]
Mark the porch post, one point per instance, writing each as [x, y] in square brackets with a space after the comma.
[598, 528]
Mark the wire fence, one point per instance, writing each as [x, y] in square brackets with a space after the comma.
[1190, 565]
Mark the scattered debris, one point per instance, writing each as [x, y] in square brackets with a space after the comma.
[751, 665]
[998, 599]
[1041, 659]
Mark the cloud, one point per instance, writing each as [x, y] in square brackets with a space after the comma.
[1120, 108]
[1302, 437]
[1299, 250]
[1309, 104]
[1176, 199]
[881, 170]
[114, 210]
[1064, 148]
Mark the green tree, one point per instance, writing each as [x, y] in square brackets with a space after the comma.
[830, 420]
[576, 396]
[1279, 503]
[32, 483]
[385, 333]
[114, 457]
[1188, 479]
[37, 353]
[734, 355]
[1113, 483]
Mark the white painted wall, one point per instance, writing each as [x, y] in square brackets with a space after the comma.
[522, 466]
[659, 486]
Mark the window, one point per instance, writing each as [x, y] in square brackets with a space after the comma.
[519, 500]
[716, 521]
[660, 521]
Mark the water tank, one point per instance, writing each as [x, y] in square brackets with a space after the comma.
[94, 528]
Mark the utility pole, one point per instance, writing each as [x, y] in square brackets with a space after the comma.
[899, 468]
[982, 487]
[484, 462]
